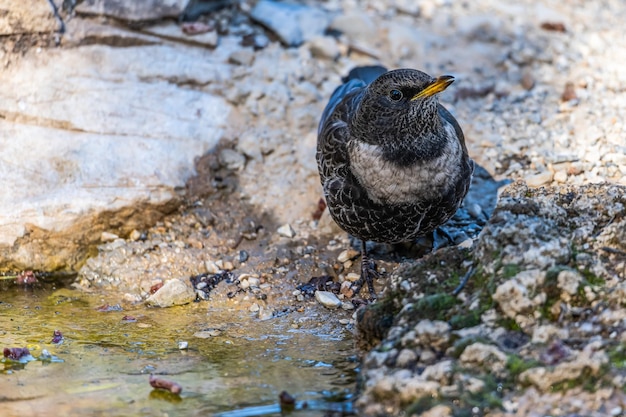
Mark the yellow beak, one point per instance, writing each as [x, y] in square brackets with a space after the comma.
[437, 86]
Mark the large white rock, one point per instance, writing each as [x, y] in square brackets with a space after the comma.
[97, 129]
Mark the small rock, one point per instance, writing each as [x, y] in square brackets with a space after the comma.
[108, 237]
[173, 292]
[485, 356]
[406, 358]
[569, 280]
[438, 411]
[135, 235]
[548, 332]
[182, 345]
[265, 313]
[432, 333]
[537, 180]
[327, 299]
[440, 372]
[560, 177]
[254, 308]
[205, 334]
[286, 231]
[347, 255]
[243, 57]
[324, 47]
[352, 277]
[211, 267]
[232, 159]
[347, 306]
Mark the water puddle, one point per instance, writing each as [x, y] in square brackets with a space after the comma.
[234, 366]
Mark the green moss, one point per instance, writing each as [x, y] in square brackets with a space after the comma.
[421, 405]
[516, 365]
[509, 324]
[510, 270]
[587, 381]
[462, 321]
[591, 279]
[617, 357]
[436, 306]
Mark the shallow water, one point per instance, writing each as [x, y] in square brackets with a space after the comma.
[105, 361]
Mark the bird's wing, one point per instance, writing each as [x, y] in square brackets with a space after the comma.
[448, 117]
[338, 95]
[358, 78]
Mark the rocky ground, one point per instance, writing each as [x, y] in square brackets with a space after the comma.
[538, 328]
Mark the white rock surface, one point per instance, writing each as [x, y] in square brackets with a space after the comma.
[98, 128]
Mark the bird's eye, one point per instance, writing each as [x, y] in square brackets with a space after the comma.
[395, 95]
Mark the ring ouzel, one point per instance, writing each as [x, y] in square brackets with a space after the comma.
[392, 160]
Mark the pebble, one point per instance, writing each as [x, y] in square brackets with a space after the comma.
[205, 334]
[211, 267]
[232, 159]
[352, 277]
[286, 231]
[348, 306]
[243, 57]
[347, 255]
[325, 47]
[182, 345]
[537, 180]
[108, 237]
[327, 299]
[265, 313]
[173, 292]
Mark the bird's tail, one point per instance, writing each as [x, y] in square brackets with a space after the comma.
[365, 73]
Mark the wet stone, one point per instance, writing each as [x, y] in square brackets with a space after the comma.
[327, 299]
[173, 292]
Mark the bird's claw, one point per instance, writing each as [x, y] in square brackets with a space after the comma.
[368, 275]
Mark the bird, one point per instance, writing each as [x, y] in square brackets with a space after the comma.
[392, 160]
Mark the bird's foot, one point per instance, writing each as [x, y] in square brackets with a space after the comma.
[368, 275]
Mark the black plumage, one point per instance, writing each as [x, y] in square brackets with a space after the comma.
[392, 160]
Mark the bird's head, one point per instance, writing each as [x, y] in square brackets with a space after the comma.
[399, 101]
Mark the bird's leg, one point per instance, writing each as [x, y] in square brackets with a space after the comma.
[368, 273]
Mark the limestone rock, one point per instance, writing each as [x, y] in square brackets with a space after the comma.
[106, 133]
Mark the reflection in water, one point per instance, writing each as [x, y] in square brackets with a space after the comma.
[107, 359]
